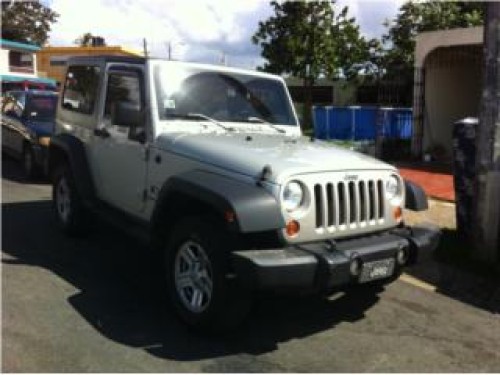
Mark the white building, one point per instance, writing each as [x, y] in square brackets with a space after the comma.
[18, 66]
[447, 86]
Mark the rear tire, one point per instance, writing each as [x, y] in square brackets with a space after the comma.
[68, 207]
[197, 264]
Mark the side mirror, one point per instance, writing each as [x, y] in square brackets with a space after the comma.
[13, 114]
[126, 114]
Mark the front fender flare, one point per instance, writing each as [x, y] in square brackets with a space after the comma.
[416, 199]
[74, 151]
[255, 209]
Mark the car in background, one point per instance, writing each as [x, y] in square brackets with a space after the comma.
[28, 122]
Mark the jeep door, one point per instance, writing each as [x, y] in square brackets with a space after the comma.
[119, 152]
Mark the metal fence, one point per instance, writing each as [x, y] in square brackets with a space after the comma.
[362, 123]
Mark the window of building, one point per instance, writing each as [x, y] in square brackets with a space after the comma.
[80, 89]
[21, 62]
[58, 60]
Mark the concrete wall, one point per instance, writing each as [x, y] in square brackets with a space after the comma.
[4, 61]
[5, 66]
[446, 88]
[453, 78]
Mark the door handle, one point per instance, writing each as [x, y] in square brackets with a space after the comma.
[103, 133]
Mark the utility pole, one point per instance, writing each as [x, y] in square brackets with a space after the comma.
[145, 47]
[487, 208]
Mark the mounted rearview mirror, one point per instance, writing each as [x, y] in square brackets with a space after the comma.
[13, 114]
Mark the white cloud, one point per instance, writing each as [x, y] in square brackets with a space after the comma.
[197, 29]
[371, 14]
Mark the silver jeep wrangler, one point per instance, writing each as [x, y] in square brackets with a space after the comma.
[208, 164]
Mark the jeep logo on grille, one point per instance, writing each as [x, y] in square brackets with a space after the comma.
[351, 177]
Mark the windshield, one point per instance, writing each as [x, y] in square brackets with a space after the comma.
[42, 108]
[223, 96]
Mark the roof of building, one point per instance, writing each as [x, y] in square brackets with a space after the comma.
[16, 78]
[98, 50]
[17, 45]
[428, 41]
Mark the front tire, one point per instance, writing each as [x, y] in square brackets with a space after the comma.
[68, 207]
[197, 261]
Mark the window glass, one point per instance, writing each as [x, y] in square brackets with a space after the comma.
[125, 87]
[80, 89]
[224, 96]
[11, 104]
[42, 107]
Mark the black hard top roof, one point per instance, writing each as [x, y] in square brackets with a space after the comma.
[99, 59]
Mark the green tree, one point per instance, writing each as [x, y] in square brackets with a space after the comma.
[26, 21]
[89, 40]
[416, 17]
[308, 40]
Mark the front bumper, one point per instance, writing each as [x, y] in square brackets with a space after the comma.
[327, 264]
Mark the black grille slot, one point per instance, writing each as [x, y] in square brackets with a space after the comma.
[352, 202]
[371, 200]
[342, 204]
[380, 199]
[318, 195]
[330, 205]
[362, 201]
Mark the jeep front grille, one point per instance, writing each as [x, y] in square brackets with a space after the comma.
[343, 205]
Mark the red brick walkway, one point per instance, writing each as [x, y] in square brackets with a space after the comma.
[436, 184]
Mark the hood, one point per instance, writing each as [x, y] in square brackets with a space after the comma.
[41, 128]
[249, 153]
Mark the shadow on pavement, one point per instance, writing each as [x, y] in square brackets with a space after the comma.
[121, 293]
[455, 273]
[11, 170]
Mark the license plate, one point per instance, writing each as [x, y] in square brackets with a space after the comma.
[378, 269]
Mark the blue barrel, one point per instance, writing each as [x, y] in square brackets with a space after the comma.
[320, 120]
[360, 123]
[365, 120]
[402, 121]
[385, 118]
[340, 123]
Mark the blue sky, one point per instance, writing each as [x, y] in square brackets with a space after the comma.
[197, 30]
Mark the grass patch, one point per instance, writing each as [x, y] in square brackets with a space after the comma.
[455, 251]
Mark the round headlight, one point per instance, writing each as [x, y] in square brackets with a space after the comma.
[393, 188]
[293, 196]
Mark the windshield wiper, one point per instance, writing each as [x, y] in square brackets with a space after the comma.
[199, 116]
[262, 121]
[210, 119]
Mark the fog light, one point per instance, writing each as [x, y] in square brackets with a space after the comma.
[355, 267]
[402, 256]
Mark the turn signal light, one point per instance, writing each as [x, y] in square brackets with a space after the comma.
[397, 213]
[229, 216]
[44, 141]
[292, 228]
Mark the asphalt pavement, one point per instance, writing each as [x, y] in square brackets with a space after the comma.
[97, 304]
